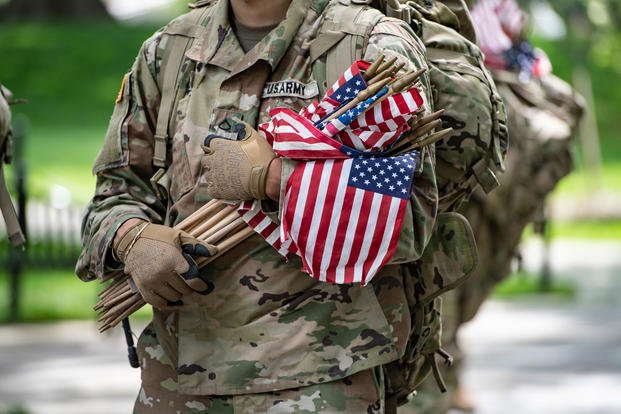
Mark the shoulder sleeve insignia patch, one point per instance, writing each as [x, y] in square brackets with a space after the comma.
[119, 97]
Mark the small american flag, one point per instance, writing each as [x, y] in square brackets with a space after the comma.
[350, 83]
[379, 127]
[253, 215]
[345, 216]
[293, 136]
[343, 206]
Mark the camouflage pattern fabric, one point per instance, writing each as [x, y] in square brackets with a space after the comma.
[359, 393]
[266, 326]
[543, 115]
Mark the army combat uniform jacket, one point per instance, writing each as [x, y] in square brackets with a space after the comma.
[266, 326]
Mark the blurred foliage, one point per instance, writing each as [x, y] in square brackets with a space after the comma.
[594, 30]
[591, 229]
[15, 409]
[592, 42]
[70, 74]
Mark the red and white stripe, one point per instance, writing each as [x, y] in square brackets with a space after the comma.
[353, 70]
[378, 128]
[491, 36]
[318, 110]
[343, 234]
[254, 216]
[295, 137]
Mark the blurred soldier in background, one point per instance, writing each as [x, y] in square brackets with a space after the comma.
[543, 112]
[6, 152]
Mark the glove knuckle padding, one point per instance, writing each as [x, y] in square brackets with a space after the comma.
[152, 259]
[237, 169]
[161, 258]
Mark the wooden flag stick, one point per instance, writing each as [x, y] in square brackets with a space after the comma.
[195, 217]
[407, 140]
[381, 76]
[436, 136]
[399, 85]
[424, 129]
[387, 64]
[214, 238]
[113, 284]
[114, 288]
[113, 299]
[372, 70]
[205, 225]
[119, 299]
[227, 245]
[131, 307]
[429, 118]
[225, 221]
[362, 96]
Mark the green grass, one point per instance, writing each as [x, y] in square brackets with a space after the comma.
[53, 295]
[587, 229]
[525, 284]
[581, 183]
[581, 230]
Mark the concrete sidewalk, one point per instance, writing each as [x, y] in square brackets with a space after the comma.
[546, 355]
[534, 356]
[65, 368]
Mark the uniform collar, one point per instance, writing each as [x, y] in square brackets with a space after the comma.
[219, 46]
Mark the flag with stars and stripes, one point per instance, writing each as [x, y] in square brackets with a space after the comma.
[377, 128]
[349, 83]
[293, 136]
[253, 215]
[345, 201]
[344, 217]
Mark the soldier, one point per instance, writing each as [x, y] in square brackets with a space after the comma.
[268, 338]
[6, 152]
[543, 113]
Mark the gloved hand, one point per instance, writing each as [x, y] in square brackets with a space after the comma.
[237, 170]
[161, 264]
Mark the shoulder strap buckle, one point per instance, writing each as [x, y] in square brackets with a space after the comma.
[159, 151]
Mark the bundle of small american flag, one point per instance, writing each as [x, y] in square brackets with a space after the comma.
[357, 150]
[357, 153]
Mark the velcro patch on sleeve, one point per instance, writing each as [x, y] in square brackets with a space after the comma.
[290, 87]
[119, 97]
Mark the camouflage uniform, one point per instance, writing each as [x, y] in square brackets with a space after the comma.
[268, 335]
[542, 114]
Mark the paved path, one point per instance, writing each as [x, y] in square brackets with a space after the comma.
[535, 356]
[551, 356]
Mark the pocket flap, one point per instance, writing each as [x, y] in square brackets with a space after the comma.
[449, 258]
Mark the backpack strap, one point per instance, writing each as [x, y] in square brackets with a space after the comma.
[343, 35]
[182, 34]
[16, 236]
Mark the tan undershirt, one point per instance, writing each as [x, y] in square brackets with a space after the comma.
[249, 36]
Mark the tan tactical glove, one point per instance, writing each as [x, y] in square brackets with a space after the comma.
[160, 262]
[237, 170]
